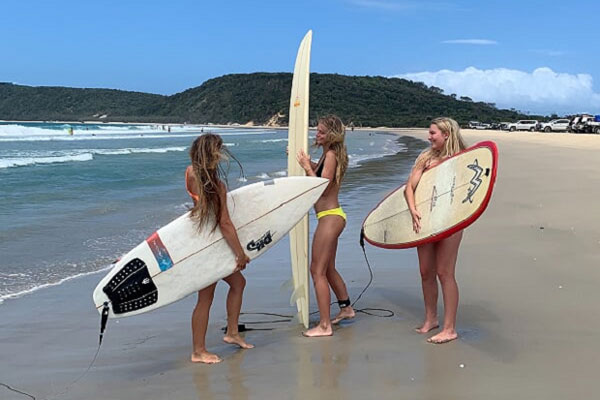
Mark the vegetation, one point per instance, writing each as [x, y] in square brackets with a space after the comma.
[259, 97]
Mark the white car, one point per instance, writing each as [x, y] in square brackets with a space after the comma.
[523, 125]
[556, 125]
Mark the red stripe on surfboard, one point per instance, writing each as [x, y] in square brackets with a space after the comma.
[461, 225]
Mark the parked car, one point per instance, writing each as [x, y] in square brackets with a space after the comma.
[556, 125]
[523, 125]
[504, 125]
[478, 125]
[582, 123]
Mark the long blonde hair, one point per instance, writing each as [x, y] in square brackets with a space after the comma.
[206, 153]
[334, 137]
[453, 144]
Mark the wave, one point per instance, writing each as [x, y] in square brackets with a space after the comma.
[270, 141]
[33, 158]
[21, 133]
[22, 162]
[389, 148]
[49, 284]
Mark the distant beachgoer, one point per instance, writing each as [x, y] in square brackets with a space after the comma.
[437, 260]
[331, 222]
[204, 184]
[70, 130]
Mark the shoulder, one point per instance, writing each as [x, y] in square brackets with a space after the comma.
[330, 155]
[422, 160]
[190, 176]
[222, 188]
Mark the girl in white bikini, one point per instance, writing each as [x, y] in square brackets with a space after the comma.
[437, 260]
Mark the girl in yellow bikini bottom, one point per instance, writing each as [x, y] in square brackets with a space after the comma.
[333, 211]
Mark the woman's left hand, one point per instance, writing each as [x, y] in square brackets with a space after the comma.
[303, 160]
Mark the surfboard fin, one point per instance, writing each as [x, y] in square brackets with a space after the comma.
[287, 285]
[103, 321]
[297, 294]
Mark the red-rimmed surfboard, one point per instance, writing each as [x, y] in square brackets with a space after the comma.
[449, 196]
[178, 260]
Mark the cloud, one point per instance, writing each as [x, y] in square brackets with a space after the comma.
[471, 41]
[541, 91]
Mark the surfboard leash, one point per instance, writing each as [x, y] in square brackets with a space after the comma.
[287, 318]
[368, 310]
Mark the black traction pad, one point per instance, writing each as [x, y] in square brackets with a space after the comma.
[131, 288]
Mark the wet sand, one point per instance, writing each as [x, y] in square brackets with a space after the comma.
[528, 273]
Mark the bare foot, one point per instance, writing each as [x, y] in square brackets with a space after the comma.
[443, 337]
[237, 339]
[205, 357]
[318, 331]
[427, 326]
[345, 313]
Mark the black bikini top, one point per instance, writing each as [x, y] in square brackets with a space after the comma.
[319, 170]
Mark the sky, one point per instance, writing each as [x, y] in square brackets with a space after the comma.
[536, 56]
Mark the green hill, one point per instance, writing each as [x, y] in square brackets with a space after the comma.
[259, 97]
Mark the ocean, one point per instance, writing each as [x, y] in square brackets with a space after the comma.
[74, 197]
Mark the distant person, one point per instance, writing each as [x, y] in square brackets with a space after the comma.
[331, 222]
[70, 130]
[437, 260]
[204, 184]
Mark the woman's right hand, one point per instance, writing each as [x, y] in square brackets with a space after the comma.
[241, 261]
[416, 220]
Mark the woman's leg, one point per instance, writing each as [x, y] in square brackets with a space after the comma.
[199, 325]
[237, 283]
[446, 255]
[338, 285]
[427, 257]
[324, 245]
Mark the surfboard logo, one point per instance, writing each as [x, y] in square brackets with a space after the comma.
[259, 244]
[161, 254]
[297, 102]
[475, 181]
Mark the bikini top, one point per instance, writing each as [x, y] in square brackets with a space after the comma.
[319, 170]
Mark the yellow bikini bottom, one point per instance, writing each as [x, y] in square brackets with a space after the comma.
[333, 211]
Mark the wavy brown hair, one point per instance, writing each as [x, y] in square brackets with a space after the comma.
[336, 132]
[206, 153]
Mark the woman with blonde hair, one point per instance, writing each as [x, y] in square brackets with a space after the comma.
[437, 260]
[331, 222]
[204, 183]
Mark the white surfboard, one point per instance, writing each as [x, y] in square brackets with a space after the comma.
[178, 260]
[449, 197]
[298, 139]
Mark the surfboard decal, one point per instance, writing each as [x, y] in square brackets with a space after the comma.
[260, 243]
[475, 181]
[160, 252]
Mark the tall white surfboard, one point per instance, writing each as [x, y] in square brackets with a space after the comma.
[178, 259]
[298, 139]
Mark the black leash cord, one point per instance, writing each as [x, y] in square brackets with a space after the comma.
[287, 318]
